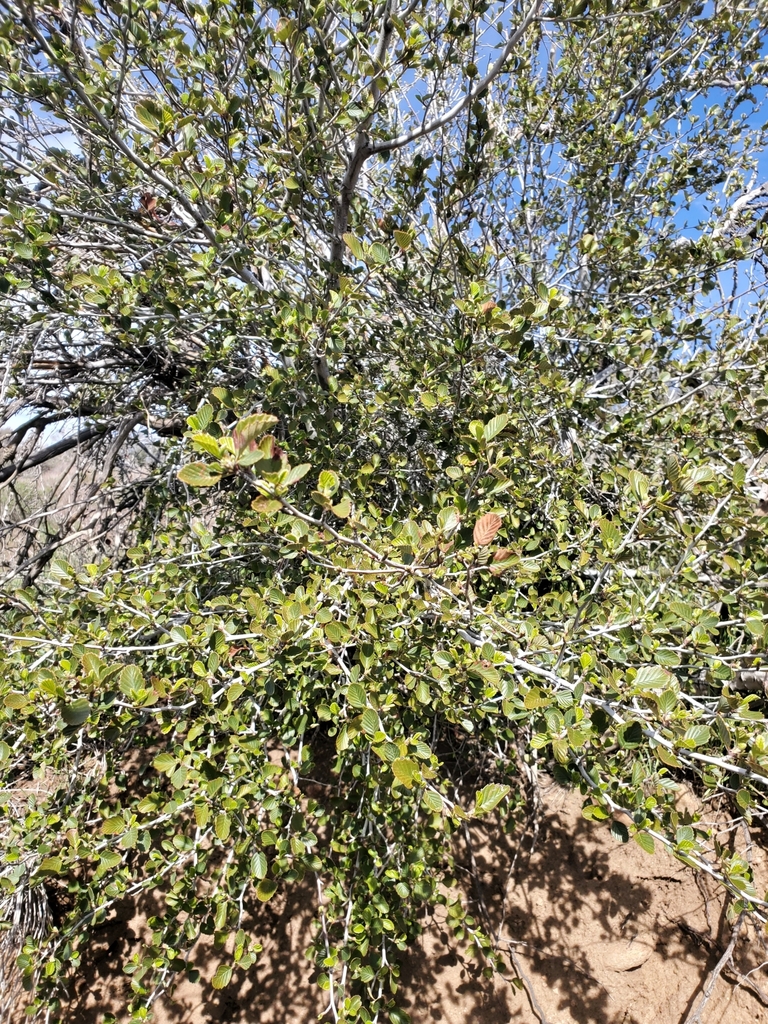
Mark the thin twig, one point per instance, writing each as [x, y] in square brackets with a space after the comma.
[694, 1017]
[529, 990]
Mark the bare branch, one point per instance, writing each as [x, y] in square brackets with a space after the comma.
[464, 102]
[52, 450]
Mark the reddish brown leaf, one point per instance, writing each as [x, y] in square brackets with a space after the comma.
[486, 528]
[149, 203]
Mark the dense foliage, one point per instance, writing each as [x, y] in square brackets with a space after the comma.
[410, 366]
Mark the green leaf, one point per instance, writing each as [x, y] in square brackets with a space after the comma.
[619, 831]
[266, 505]
[222, 976]
[701, 475]
[755, 624]
[404, 770]
[266, 889]
[355, 246]
[667, 658]
[495, 426]
[199, 474]
[250, 455]
[744, 799]
[223, 396]
[342, 509]
[651, 677]
[109, 859]
[685, 837]
[448, 520]
[235, 690]
[667, 701]
[77, 712]
[370, 722]
[356, 695]
[489, 797]
[403, 239]
[630, 735]
[51, 866]
[379, 253]
[337, 632]
[251, 428]
[328, 483]
[131, 680]
[667, 757]
[433, 801]
[130, 838]
[165, 763]
[639, 484]
[674, 472]
[206, 443]
[16, 700]
[343, 739]
[149, 115]
[296, 473]
[259, 865]
[203, 417]
[645, 842]
[696, 736]
[221, 826]
[610, 533]
[594, 812]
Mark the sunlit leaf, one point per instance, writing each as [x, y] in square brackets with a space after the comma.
[222, 976]
[487, 798]
[486, 528]
[199, 474]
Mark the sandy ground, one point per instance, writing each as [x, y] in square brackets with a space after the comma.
[604, 934]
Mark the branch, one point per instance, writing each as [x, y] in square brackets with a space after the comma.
[46, 454]
[362, 148]
[694, 1017]
[471, 96]
[360, 154]
[529, 990]
[741, 204]
[124, 432]
[113, 136]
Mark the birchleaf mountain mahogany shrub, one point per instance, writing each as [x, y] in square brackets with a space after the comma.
[408, 366]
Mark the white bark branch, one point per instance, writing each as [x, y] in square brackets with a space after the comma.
[463, 103]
